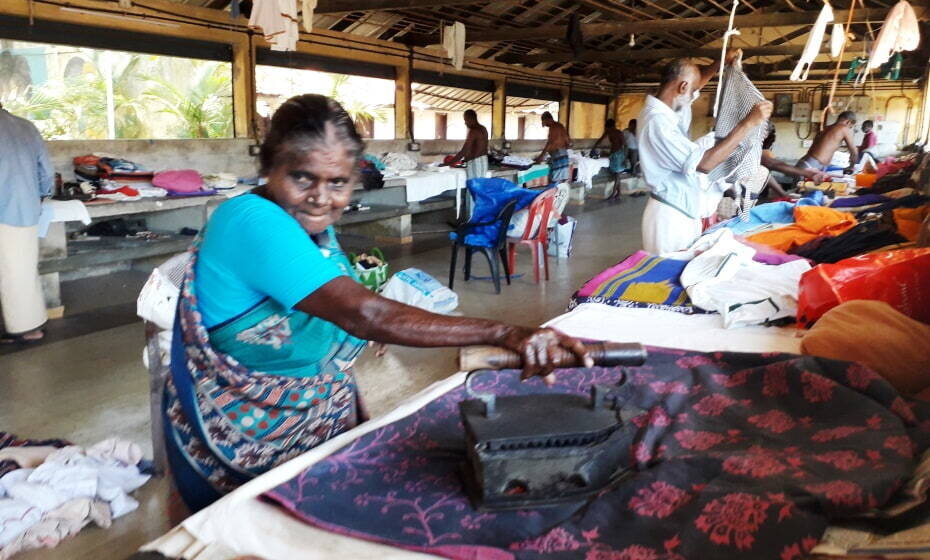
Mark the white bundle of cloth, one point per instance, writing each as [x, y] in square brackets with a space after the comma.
[723, 277]
[399, 163]
[70, 488]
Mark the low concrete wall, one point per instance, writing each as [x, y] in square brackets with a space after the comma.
[207, 156]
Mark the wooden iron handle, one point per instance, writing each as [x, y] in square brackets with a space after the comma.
[603, 353]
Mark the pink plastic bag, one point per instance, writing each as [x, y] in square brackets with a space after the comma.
[179, 180]
[900, 278]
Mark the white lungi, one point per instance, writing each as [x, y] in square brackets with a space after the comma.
[21, 299]
[477, 168]
[666, 229]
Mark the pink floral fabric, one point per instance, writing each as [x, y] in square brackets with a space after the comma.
[737, 456]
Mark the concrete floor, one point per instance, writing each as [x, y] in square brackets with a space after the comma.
[88, 387]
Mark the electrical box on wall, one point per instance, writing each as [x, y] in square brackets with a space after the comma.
[801, 112]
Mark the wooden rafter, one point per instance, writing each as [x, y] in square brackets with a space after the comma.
[340, 6]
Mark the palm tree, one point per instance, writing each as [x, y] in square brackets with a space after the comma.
[200, 101]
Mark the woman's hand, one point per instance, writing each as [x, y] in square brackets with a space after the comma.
[539, 349]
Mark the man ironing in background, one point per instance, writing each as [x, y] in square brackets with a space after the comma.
[475, 149]
[828, 141]
[557, 147]
[674, 167]
[618, 156]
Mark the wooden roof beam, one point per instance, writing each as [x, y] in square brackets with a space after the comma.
[668, 25]
[658, 54]
[340, 6]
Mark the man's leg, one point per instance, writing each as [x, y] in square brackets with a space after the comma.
[21, 299]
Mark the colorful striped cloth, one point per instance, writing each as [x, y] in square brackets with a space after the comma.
[642, 280]
[538, 175]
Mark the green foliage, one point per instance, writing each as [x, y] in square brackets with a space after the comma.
[152, 97]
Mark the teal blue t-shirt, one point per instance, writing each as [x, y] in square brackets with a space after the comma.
[252, 249]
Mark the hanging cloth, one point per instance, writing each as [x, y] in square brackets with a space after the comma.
[306, 14]
[891, 70]
[453, 41]
[837, 40]
[814, 41]
[899, 33]
[574, 36]
[742, 169]
[856, 67]
[277, 20]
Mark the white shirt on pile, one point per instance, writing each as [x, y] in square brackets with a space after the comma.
[680, 193]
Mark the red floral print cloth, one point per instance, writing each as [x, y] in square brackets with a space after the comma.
[738, 456]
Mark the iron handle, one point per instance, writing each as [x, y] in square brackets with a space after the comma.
[604, 354]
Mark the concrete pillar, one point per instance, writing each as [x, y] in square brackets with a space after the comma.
[403, 95]
[499, 109]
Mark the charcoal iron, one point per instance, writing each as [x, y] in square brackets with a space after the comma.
[530, 451]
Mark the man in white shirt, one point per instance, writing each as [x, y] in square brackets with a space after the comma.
[632, 149]
[674, 167]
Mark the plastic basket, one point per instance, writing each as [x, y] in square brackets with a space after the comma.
[372, 278]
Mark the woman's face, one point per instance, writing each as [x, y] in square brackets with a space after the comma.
[314, 185]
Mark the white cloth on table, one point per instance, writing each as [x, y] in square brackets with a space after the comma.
[517, 161]
[900, 32]
[62, 211]
[723, 277]
[814, 42]
[397, 162]
[588, 168]
[453, 42]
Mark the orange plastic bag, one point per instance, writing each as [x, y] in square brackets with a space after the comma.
[900, 278]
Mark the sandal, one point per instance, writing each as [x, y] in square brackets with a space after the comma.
[22, 338]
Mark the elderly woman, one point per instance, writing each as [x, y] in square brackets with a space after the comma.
[271, 317]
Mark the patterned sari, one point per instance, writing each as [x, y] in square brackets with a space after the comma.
[254, 391]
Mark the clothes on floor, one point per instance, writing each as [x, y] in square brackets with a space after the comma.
[812, 47]
[259, 388]
[862, 238]
[559, 162]
[26, 172]
[735, 456]
[878, 336]
[641, 280]
[477, 168]
[69, 489]
[9, 441]
[22, 302]
[453, 42]
[900, 32]
[810, 222]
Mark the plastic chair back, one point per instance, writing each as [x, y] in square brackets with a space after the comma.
[537, 220]
[503, 219]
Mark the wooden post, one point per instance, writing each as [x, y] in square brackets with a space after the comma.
[565, 106]
[499, 110]
[403, 95]
[243, 86]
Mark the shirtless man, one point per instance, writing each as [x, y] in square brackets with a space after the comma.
[827, 142]
[770, 162]
[557, 147]
[617, 154]
[475, 149]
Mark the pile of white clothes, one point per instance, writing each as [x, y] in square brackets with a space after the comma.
[588, 168]
[63, 490]
[397, 163]
[517, 161]
[220, 181]
[723, 277]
